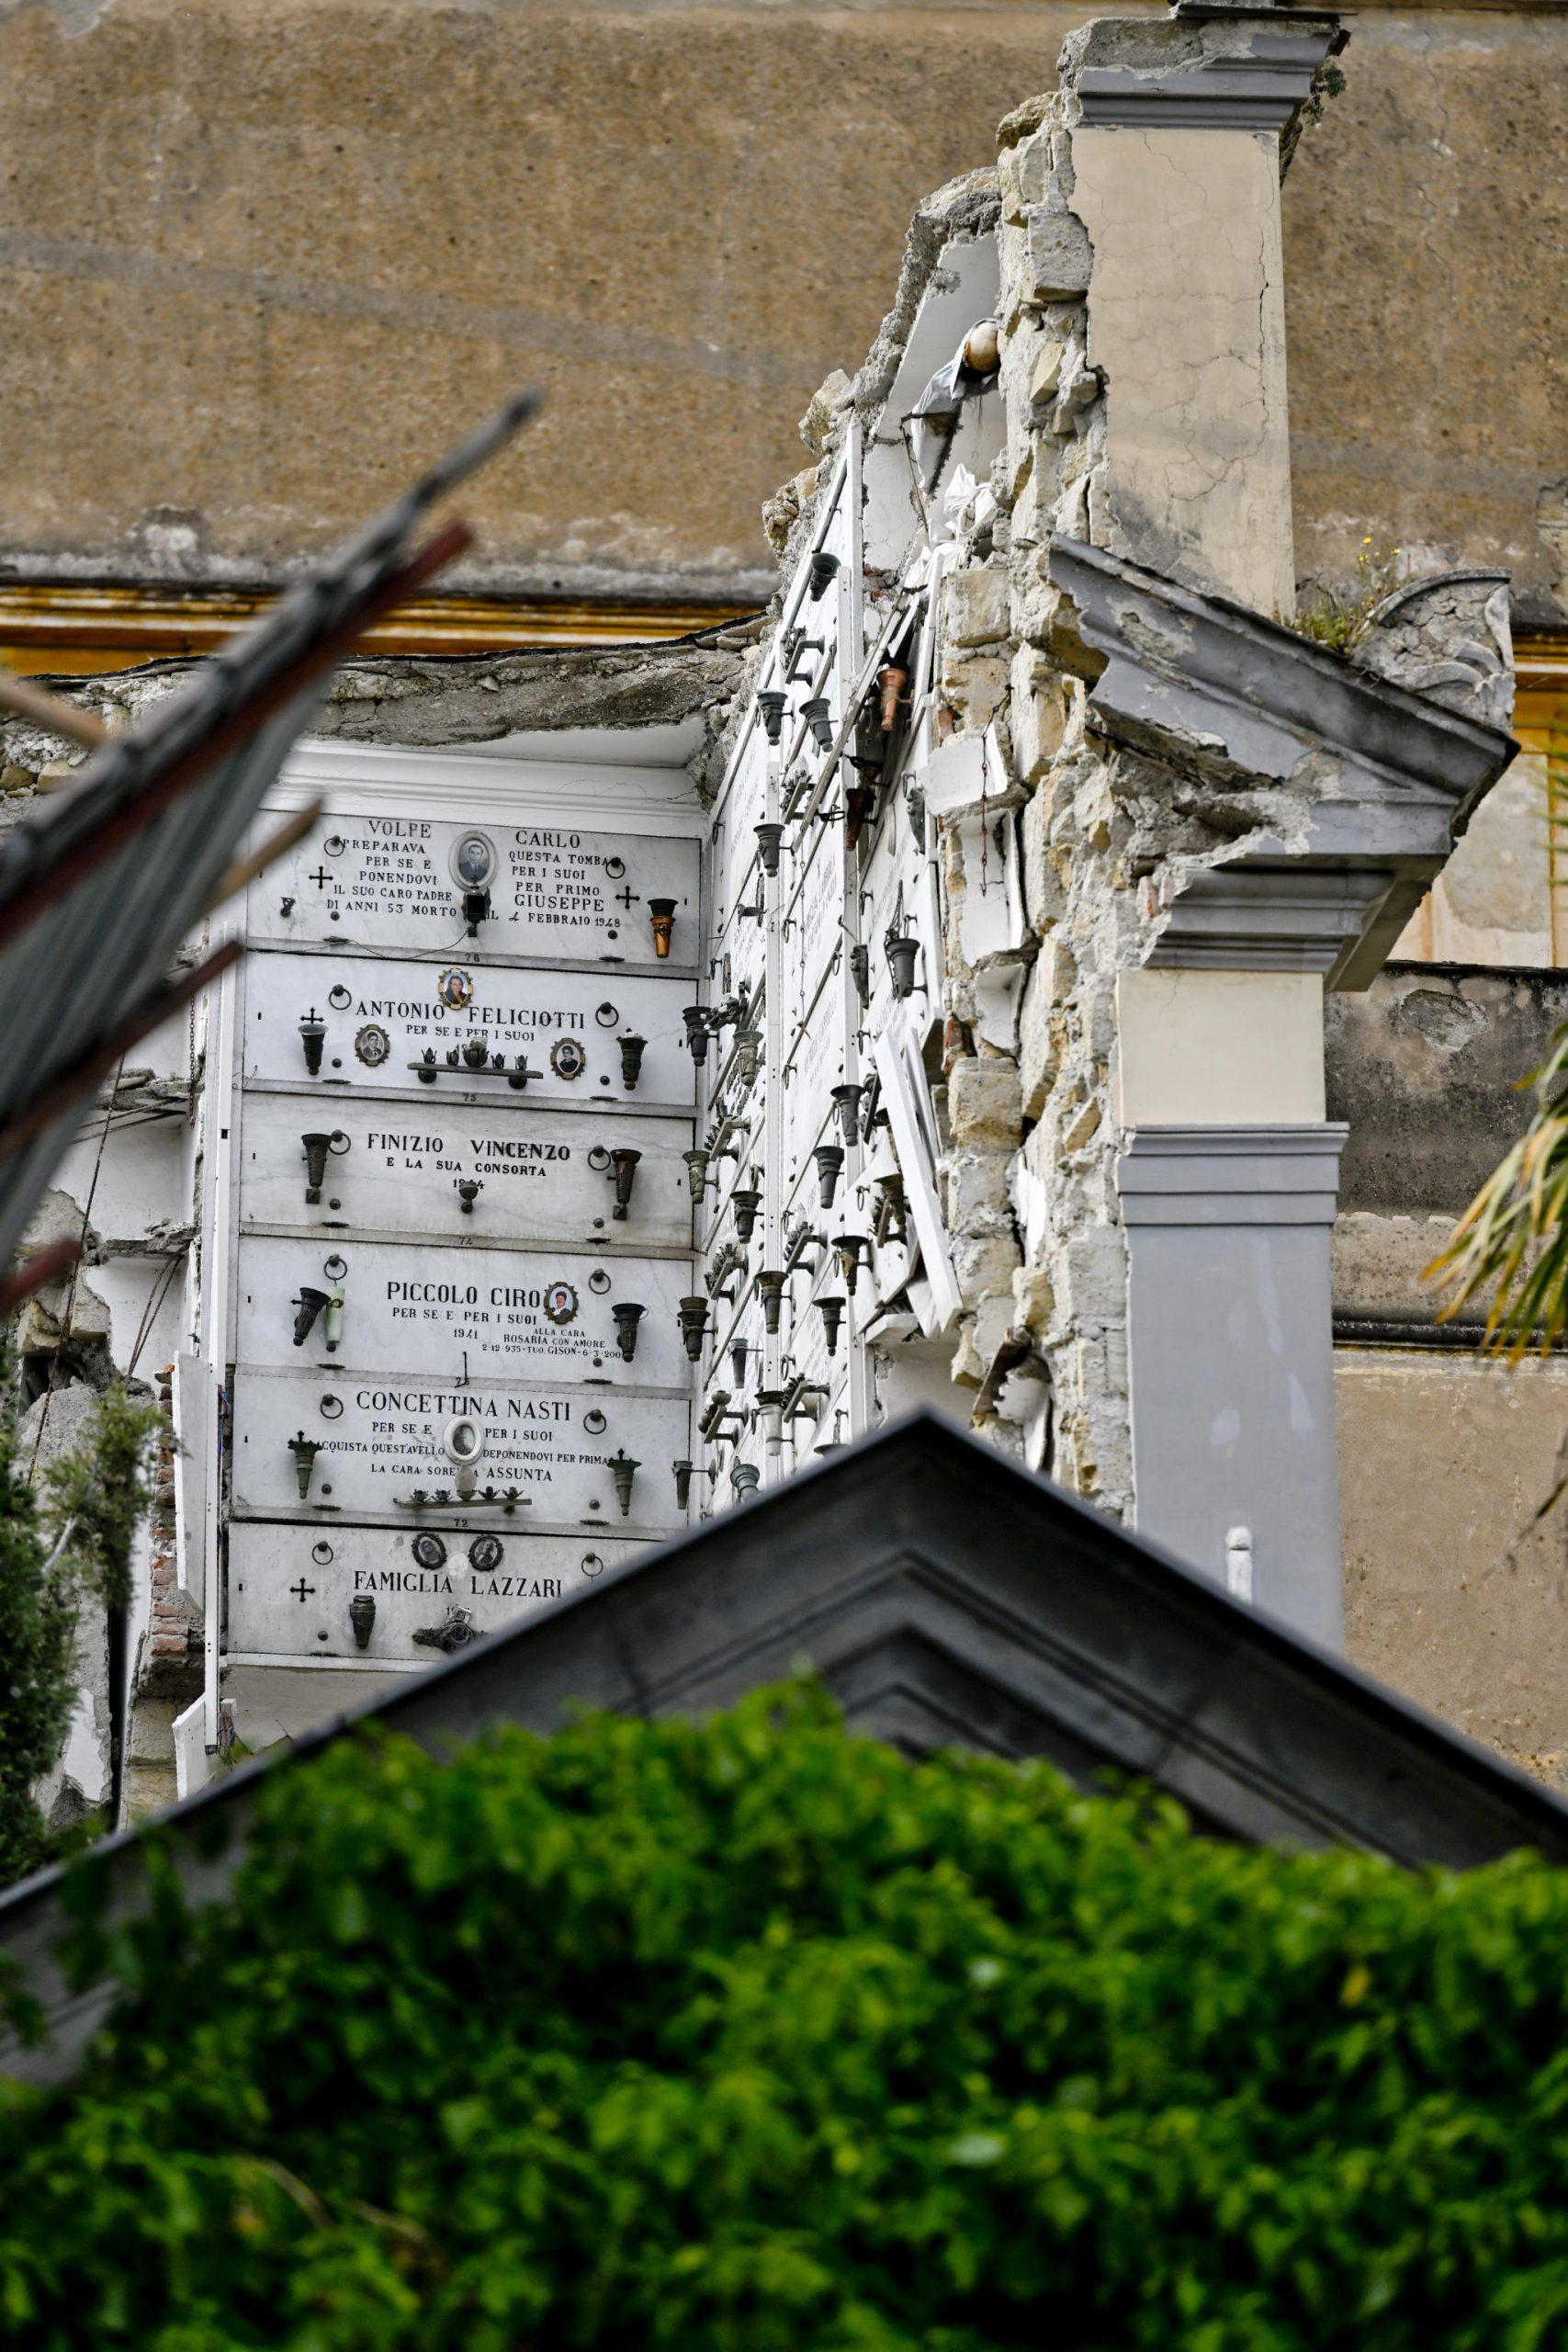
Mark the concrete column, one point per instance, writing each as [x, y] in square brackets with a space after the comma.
[1339, 792]
[1177, 151]
[1226, 1182]
[1228, 819]
[1231, 1360]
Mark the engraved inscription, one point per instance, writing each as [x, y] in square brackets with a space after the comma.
[403, 1303]
[541, 1456]
[520, 1018]
[399, 881]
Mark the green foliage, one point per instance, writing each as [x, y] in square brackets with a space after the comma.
[755, 2037]
[1512, 1241]
[37, 1624]
[102, 1493]
[95, 1499]
[1339, 619]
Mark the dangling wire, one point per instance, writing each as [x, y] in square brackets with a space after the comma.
[76, 1270]
[153, 1308]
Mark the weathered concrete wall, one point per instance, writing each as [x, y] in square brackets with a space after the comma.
[1419, 222]
[684, 685]
[1456, 1553]
[1424, 1066]
[260, 254]
[1498, 901]
[1188, 325]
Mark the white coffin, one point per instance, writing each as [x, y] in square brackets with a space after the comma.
[290, 1585]
[384, 1443]
[383, 1016]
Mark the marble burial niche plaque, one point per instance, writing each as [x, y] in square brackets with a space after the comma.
[457, 1315]
[550, 891]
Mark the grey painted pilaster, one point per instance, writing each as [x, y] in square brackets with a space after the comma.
[1230, 1358]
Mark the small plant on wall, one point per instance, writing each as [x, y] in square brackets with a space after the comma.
[1339, 618]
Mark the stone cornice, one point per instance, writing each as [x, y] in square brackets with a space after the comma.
[1371, 784]
[1277, 696]
[1211, 66]
[1262, 92]
[1252, 917]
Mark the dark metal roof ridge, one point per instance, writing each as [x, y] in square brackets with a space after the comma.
[923, 1437]
[946, 1595]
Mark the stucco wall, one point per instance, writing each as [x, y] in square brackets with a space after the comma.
[1455, 1531]
[1423, 1066]
[258, 256]
[1188, 325]
[1456, 1540]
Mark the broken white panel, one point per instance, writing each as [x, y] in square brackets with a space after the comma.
[193, 1399]
[991, 919]
[997, 992]
[961, 291]
[1030, 1203]
[906, 1099]
[894, 1258]
[966, 774]
[193, 1764]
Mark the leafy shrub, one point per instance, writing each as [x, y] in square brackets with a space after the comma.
[754, 2035]
[73, 1548]
[38, 1660]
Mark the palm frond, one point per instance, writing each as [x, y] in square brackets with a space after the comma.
[1511, 1244]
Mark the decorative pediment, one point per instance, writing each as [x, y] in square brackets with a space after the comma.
[1356, 787]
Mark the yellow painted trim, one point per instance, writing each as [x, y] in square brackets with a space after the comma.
[79, 630]
[1541, 664]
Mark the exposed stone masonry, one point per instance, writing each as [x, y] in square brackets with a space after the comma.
[1130, 829]
[447, 702]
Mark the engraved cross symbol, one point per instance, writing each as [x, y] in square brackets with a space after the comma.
[302, 1592]
[625, 897]
[321, 878]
